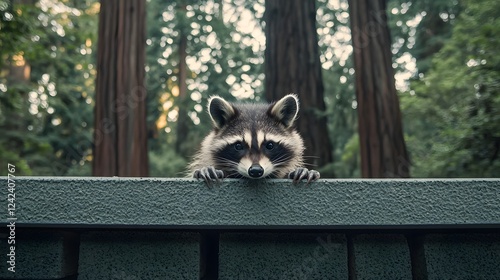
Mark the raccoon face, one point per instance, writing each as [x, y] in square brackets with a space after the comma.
[255, 140]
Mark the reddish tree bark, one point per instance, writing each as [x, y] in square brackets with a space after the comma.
[382, 145]
[292, 65]
[120, 130]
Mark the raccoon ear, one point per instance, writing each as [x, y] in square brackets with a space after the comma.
[285, 110]
[220, 111]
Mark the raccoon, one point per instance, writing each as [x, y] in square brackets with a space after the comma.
[252, 141]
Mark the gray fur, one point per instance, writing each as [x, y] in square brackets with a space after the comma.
[233, 120]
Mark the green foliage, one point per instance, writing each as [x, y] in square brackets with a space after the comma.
[421, 28]
[453, 116]
[451, 108]
[220, 58]
[47, 86]
[348, 165]
[338, 80]
[16, 146]
[166, 163]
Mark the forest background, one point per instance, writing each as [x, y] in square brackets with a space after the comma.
[444, 54]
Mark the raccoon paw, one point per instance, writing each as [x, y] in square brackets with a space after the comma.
[208, 174]
[303, 173]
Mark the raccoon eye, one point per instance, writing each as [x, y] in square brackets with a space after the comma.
[270, 145]
[238, 146]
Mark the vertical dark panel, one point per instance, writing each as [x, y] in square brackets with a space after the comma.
[351, 258]
[417, 255]
[209, 255]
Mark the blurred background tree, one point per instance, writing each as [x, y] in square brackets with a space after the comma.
[293, 66]
[120, 132]
[382, 144]
[443, 52]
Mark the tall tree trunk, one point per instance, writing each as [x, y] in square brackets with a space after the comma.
[383, 149]
[120, 131]
[292, 65]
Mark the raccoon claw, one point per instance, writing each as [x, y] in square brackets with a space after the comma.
[303, 173]
[208, 174]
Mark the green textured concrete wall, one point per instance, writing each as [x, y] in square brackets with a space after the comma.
[171, 203]
[282, 256]
[138, 255]
[123, 228]
[41, 255]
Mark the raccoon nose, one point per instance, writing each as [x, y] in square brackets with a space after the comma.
[255, 171]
